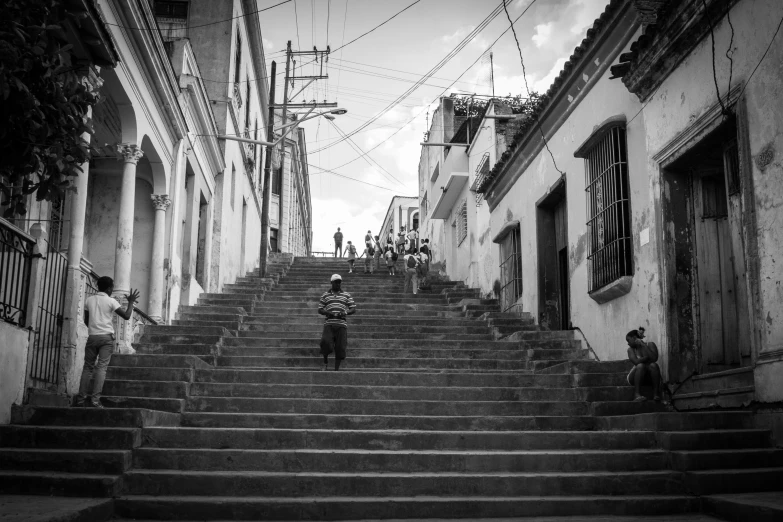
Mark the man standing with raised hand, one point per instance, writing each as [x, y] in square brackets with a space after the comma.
[336, 305]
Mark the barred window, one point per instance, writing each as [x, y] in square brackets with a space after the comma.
[608, 210]
[461, 223]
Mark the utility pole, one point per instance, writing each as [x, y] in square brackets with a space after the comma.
[270, 136]
[492, 73]
[266, 193]
[282, 143]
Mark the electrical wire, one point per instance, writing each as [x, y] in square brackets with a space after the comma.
[328, 171]
[527, 88]
[747, 82]
[442, 92]
[296, 18]
[202, 25]
[495, 12]
[377, 26]
[342, 41]
[723, 109]
[370, 161]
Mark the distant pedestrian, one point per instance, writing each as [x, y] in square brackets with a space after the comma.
[336, 305]
[351, 250]
[368, 254]
[390, 238]
[390, 259]
[98, 312]
[424, 269]
[425, 246]
[377, 253]
[411, 273]
[368, 239]
[338, 242]
[401, 241]
[413, 240]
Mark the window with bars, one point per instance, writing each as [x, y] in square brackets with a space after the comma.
[57, 221]
[610, 254]
[461, 223]
[277, 181]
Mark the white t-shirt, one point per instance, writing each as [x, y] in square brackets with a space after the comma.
[101, 308]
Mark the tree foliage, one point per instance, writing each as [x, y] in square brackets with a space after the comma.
[45, 105]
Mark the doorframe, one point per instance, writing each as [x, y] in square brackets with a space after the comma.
[682, 143]
[548, 317]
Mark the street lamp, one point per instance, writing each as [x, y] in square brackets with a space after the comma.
[325, 114]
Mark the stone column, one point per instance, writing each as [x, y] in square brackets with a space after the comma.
[131, 154]
[161, 203]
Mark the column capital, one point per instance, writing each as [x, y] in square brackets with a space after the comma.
[161, 201]
[129, 153]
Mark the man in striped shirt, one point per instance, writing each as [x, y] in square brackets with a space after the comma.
[336, 305]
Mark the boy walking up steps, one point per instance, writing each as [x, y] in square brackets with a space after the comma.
[98, 312]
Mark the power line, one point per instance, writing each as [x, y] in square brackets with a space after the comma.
[327, 171]
[377, 26]
[370, 161]
[443, 92]
[202, 25]
[495, 12]
[296, 18]
[524, 77]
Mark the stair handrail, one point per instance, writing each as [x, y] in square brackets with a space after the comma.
[586, 342]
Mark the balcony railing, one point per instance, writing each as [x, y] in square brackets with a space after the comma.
[16, 250]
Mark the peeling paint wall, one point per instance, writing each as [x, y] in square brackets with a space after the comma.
[13, 367]
[604, 325]
[683, 97]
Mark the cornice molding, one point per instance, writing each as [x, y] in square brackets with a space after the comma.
[680, 26]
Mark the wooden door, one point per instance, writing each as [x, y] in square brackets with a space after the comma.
[718, 323]
[561, 246]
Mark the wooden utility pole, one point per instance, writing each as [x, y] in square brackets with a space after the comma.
[266, 193]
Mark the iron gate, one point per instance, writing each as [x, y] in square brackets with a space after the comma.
[48, 331]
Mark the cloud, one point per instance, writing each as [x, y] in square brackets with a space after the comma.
[268, 45]
[543, 34]
[451, 40]
[542, 85]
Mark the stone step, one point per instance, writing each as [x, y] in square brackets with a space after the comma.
[386, 407]
[387, 507]
[157, 360]
[107, 417]
[414, 305]
[395, 461]
[407, 393]
[103, 462]
[686, 422]
[366, 349]
[715, 439]
[758, 507]
[263, 341]
[389, 422]
[357, 363]
[57, 483]
[69, 437]
[365, 333]
[727, 458]
[173, 338]
[745, 480]
[388, 378]
[141, 373]
[365, 484]
[402, 312]
[358, 329]
[361, 319]
[34, 508]
[166, 404]
[136, 388]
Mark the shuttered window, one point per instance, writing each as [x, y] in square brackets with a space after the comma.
[461, 223]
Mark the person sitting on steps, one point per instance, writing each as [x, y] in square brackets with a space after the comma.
[644, 357]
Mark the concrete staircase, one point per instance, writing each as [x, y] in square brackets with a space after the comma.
[445, 408]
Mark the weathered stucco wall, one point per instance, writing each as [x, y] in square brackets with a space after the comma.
[604, 325]
[687, 94]
[13, 367]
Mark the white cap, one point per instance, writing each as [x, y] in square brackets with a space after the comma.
[336, 277]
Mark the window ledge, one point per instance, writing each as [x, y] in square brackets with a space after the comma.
[613, 290]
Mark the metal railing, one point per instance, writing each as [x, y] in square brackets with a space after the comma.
[48, 331]
[16, 249]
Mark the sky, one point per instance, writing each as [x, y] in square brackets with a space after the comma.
[368, 75]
